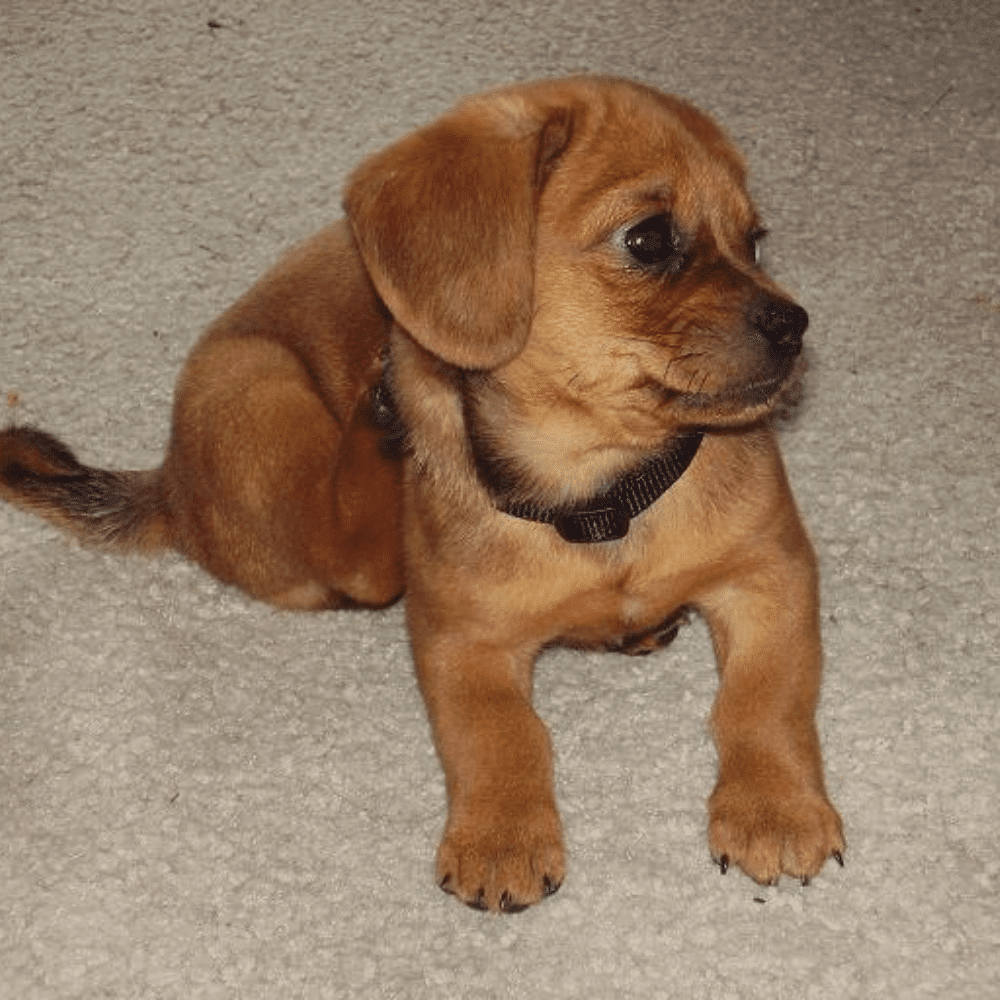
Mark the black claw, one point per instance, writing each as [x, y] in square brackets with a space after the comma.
[724, 863]
[805, 880]
[445, 885]
[479, 903]
[507, 905]
[839, 858]
[550, 886]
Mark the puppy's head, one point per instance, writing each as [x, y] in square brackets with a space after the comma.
[590, 243]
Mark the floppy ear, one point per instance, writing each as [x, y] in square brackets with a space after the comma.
[445, 223]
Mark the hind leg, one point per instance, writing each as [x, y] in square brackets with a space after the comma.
[268, 491]
[644, 643]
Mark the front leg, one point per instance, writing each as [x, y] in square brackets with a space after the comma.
[769, 813]
[502, 848]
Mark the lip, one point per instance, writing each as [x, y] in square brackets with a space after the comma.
[760, 392]
[751, 395]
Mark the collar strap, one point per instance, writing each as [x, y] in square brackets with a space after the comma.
[606, 516]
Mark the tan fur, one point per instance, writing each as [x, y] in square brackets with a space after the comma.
[531, 359]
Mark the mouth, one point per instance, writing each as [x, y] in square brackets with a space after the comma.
[756, 393]
[749, 401]
[752, 395]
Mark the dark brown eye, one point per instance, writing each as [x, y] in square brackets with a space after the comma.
[655, 244]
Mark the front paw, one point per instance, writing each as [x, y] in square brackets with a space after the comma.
[768, 830]
[503, 863]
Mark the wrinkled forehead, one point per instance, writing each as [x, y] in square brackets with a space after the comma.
[643, 151]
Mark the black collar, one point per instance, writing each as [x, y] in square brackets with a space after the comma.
[606, 516]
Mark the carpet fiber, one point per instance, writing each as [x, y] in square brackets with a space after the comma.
[201, 797]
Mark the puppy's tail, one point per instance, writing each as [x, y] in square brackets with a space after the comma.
[124, 510]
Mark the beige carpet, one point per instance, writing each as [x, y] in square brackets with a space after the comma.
[203, 798]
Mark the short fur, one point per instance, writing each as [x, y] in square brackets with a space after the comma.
[539, 347]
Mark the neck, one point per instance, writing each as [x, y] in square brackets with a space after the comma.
[543, 446]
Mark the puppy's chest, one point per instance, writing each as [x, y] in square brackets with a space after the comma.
[626, 604]
[627, 625]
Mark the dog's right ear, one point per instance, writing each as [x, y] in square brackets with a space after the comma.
[445, 223]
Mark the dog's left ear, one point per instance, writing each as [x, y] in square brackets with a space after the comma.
[445, 223]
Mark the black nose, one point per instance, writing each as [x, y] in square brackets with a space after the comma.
[780, 322]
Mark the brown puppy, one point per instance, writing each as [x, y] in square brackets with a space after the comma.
[555, 291]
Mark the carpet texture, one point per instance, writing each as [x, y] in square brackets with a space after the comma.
[204, 798]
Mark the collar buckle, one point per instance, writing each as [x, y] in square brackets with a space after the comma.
[605, 525]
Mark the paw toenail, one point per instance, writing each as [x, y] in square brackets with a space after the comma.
[507, 905]
[479, 903]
